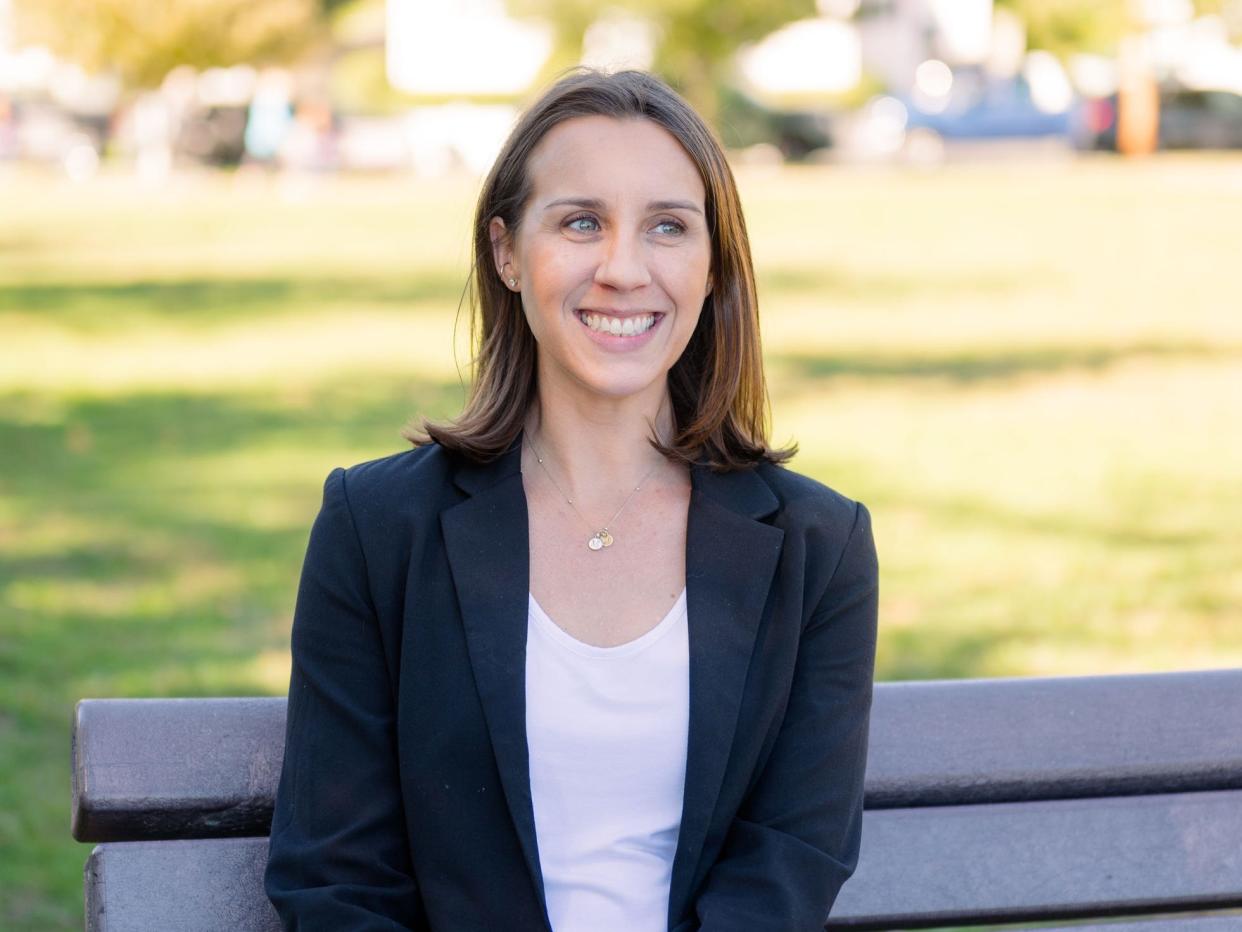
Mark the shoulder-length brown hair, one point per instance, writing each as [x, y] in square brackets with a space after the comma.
[717, 387]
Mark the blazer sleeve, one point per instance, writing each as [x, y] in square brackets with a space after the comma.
[795, 838]
[338, 856]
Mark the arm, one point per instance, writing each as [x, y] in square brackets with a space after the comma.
[795, 838]
[338, 857]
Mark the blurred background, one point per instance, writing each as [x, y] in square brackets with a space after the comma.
[998, 257]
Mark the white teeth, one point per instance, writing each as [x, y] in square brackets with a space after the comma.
[628, 327]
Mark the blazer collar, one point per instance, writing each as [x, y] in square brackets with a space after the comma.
[742, 491]
[731, 558]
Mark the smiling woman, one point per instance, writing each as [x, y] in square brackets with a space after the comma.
[589, 658]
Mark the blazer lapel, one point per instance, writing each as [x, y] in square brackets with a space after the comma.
[730, 561]
[488, 549]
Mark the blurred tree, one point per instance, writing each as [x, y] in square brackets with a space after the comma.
[697, 38]
[1064, 27]
[569, 20]
[142, 42]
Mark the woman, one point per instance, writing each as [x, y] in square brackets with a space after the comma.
[588, 658]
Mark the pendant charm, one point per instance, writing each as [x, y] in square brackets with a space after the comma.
[605, 537]
[595, 543]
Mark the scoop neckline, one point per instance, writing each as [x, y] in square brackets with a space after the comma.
[565, 639]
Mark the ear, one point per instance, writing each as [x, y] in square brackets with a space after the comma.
[502, 248]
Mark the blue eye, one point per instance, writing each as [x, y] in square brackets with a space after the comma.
[677, 228]
[577, 219]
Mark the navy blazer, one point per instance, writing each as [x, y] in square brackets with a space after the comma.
[404, 800]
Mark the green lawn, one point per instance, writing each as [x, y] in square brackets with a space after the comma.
[1031, 374]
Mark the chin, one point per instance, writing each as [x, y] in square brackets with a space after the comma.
[617, 389]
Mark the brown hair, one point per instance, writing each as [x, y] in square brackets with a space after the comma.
[717, 387]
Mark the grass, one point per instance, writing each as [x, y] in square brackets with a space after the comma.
[1032, 374]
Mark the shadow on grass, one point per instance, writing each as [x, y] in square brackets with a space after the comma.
[805, 372]
[105, 442]
[151, 544]
[121, 500]
[105, 306]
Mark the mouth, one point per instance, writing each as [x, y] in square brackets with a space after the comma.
[619, 326]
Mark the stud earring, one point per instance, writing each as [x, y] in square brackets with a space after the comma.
[512, 282]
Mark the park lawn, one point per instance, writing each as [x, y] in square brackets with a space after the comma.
[1032, 375]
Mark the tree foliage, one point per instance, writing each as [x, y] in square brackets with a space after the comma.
[143, 41]
[1065, 27]
[697, 38]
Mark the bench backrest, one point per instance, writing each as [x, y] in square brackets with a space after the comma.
[987, 801]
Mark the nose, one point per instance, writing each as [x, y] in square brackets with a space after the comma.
[623, 265]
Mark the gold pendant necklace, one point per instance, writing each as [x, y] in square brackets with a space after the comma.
[601, 538]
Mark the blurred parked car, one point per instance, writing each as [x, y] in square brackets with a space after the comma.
[959, 107]
[1189, 119]
[744, 121]
[996, 111]
[988, 109]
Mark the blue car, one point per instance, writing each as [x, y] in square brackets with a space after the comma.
[980, 108]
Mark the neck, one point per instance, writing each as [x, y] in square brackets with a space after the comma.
[599, 451]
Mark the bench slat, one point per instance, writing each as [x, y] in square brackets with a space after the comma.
[175, 768]
[200, 885]
[951, 742]
[202, 768]
[1006, 862]
[1226, 923]
[1059, 859]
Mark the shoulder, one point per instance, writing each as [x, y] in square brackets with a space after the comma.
[807, 503]
[829, 532]
[399, 484]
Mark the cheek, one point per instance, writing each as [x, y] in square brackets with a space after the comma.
[686, 276]
[554, 268]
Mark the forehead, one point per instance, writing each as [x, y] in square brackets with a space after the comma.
[614, 159]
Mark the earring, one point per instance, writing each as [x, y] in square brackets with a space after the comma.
[512, 282]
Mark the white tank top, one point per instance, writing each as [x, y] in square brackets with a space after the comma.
[606, 730]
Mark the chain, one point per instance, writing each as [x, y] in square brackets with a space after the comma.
[601, 538]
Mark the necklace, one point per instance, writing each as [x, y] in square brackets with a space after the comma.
[601, 538]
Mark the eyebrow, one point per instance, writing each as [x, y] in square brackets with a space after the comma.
[593, 203]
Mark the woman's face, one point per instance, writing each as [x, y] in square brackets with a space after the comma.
[612, 256]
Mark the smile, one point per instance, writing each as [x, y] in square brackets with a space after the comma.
[633, 326]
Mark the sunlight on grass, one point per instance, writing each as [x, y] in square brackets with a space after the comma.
[270, 671]
[1044, 526]
[115, 598]
[260, 353]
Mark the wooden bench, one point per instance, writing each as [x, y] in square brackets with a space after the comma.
[988, 801]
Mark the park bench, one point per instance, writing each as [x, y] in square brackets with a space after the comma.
[987, 801]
